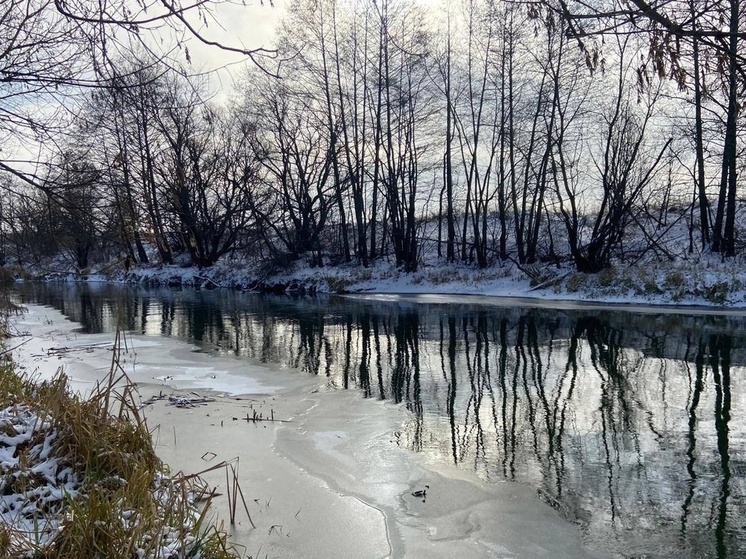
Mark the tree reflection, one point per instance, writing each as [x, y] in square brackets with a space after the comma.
[694, 398]
[720, 348]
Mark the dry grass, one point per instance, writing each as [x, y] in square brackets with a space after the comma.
[126, 505]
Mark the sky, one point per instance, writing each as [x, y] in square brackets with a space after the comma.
[248, 26]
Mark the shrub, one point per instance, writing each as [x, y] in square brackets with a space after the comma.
[364, 275]
[440, 276]
[576, 282]
[337, 284]
[717, 293]
[651, 287]
[673, 279]
[606, 277]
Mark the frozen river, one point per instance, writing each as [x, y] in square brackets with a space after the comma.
[628, 426]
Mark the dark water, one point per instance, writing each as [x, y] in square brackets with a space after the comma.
[631, 424]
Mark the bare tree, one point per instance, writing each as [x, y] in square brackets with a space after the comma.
[207, 172]
[76, 212]
[626, 165]
[712, 29]
[296, 194]
[51, 49]
[405, 107]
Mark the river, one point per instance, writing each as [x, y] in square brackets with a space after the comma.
[628, 422]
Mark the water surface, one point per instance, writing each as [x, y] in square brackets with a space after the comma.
[632, 424]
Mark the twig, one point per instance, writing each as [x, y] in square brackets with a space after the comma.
[188, 401]
[11, 349]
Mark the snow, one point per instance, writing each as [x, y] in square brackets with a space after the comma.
[32, 507]
[36, 487]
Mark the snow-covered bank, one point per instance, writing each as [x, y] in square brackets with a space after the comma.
[707, 281]
[327, 479]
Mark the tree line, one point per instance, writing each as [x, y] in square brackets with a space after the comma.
[482, 131]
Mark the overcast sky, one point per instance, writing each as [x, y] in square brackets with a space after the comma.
[251, 26]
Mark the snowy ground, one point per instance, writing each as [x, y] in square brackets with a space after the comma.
[34, 494]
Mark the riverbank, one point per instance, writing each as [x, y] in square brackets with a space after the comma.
[706, 280]
[326, 478]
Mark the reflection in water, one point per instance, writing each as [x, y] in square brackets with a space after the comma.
[631, 424]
